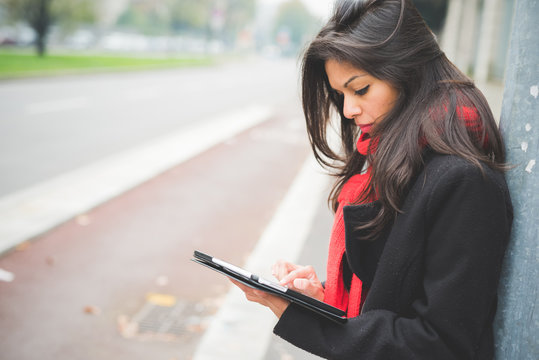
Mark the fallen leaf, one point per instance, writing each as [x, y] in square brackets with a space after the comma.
[22, 246]
[196, 328]
[92, 310]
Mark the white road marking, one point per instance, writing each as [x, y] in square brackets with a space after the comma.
[32, 211]
[230, 335]
[148, 93]
[57, 105]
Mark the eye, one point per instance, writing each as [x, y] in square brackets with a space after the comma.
[363, 91]
[336, 93]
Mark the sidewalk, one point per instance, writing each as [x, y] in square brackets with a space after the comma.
[298, 232]
[314, 253]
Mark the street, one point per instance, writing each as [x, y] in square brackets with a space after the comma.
[49, 126]
[115, 281]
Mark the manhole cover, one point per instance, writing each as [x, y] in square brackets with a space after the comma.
[163, 317]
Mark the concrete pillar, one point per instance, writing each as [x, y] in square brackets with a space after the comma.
[466, 46]
[488, 35]
[501, 45]
[517, 319]
[451, 32]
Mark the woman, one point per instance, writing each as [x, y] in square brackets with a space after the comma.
[422, 210]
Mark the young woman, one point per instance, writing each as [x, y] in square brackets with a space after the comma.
[422, 210]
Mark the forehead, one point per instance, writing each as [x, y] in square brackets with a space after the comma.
[339, 72]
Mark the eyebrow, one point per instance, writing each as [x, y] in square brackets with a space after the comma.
[352, 79]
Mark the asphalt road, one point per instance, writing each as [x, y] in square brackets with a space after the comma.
[50, 126]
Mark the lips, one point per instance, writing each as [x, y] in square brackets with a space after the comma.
[365, 128]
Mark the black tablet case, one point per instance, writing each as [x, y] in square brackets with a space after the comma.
[305, 301]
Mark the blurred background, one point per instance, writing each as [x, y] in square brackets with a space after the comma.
[165, 28]
[133, 132]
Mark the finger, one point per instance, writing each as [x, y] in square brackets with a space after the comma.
[306, 272]
[282, 268]
[279, 269]
[255, 296]
[241, 286]
[246, 289]
[250, 293]
[238, 284]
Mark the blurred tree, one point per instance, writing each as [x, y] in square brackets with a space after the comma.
[41, 14]
[221, 19]
[239, 14]
[190, 15]
[149, 17]
[293, 24]
[216, 18]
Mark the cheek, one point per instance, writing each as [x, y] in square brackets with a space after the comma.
[385, 102]
[377, 108]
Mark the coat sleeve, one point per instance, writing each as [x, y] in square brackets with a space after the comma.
[469, 217]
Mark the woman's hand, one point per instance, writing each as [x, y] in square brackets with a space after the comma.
[275, 303]
[300, 278]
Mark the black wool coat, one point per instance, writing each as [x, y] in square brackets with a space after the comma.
[432, 293]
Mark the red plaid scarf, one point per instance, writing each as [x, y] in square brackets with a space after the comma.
[336, 294]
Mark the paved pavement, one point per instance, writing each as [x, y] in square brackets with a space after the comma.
[232, 333]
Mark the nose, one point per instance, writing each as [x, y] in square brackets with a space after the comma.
[350, 108]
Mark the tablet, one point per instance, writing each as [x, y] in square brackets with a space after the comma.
[257, 282]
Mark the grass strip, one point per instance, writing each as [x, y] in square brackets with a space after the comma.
[19, 64]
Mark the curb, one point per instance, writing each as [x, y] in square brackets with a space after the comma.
[33, 211]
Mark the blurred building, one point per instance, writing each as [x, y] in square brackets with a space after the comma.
[109, 11]
[476, 37]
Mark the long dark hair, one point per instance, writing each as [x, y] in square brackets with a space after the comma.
[389, 40]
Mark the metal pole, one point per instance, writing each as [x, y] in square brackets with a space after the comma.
[517, 320]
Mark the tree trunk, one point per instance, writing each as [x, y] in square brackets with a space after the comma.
[40, 23]
[41, 44]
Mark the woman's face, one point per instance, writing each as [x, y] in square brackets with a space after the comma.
[366, 98]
